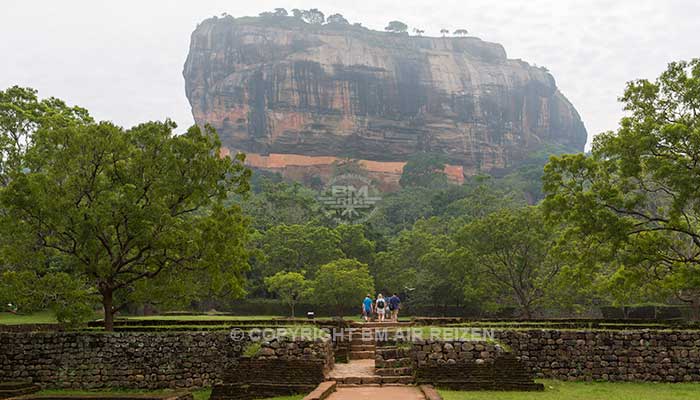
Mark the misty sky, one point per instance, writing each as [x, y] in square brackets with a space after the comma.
[123, 59]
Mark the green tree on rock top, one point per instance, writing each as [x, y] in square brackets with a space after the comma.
[396, 27]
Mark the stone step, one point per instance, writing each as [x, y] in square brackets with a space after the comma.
[371, 341]
[430, 393]
[394, 371]
[393, 354]
[353, 385]
[322, 391]
[374, 380]
[367, 325]
[402, 380]
[363, 335]
[359, 380]
[14, 385]
[363, 347]
[392, 363]
[16, 389]
[361, 355]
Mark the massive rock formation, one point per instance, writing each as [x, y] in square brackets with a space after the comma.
[280, 89]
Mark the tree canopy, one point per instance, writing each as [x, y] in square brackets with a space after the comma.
[94, 213]
[114, 208]
[637, 190]
[342, 282]
[290, 287]
[511, 250]
[337, 19]
[424, 170]
[21, 114]
[396, 27]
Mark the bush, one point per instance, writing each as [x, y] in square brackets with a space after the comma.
[252, 349]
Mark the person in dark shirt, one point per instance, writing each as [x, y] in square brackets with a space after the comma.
[367, 308]
[394, 306]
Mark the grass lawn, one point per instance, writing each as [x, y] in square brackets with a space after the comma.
[213, 317]
[43, 317]
[47, 317]
[556, 390]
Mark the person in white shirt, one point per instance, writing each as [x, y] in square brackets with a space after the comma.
[380, 307]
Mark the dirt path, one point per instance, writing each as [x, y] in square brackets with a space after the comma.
[378, 393]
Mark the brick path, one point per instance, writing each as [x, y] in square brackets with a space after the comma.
[377, 393]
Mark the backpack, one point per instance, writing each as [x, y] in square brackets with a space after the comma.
[380, 304]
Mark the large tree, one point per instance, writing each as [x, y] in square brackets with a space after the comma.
[354, 243]
[638, 189]
[341, 283]
[424, 170]
[296, 248]
[117, 207]
[511, 250]
[290, 287]
[278, 203]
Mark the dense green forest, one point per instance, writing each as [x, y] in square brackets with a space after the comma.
[95, 214]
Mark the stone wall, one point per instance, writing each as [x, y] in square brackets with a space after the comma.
[290, 349]
[394, 360]
[83, 360]
[657, 356]
[470, 365]
[505, 372]
[668, 356]
[153, 360]
[263, 378]
[435, 352]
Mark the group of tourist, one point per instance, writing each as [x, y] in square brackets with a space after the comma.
[381, 307]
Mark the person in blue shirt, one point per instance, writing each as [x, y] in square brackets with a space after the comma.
[394, 306]
[367, 308]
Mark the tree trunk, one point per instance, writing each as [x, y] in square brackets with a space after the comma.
[695, 308]
[292, 310]
[107, 304]
[526, 312]
[339, 311]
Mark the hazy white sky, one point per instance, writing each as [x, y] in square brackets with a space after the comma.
[123, 59]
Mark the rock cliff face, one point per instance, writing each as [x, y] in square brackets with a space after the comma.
[278, 86]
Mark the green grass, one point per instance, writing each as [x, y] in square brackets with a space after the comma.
[556, 390]
[205, 317]
[47, 317]
[201, 394]
[43, 317]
